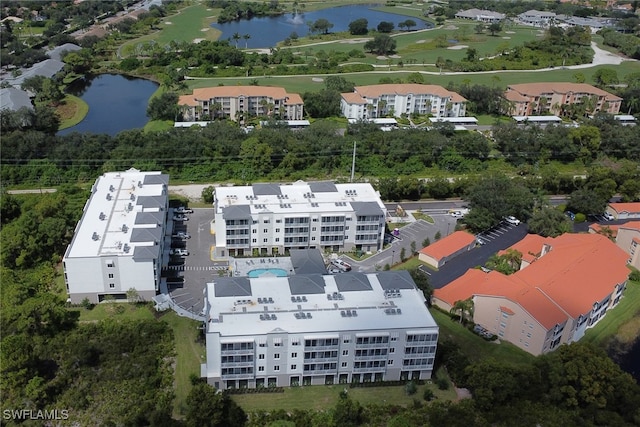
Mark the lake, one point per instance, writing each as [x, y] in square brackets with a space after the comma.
[268, 31]
[116, 103]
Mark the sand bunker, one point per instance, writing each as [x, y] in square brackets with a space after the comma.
[168, 22]
[317, 79]
[197, 40]
[450, 27]
[507, 38]
[510, 32]
[421, 41]
[458, 47]
[381, 57]
[205, 29]
[395, 56]
[354, 41]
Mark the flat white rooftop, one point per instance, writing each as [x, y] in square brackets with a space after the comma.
[315, 303]
[377, 121]
[299, 197]
[125, 211]
[537, 119]
[455, 120]
[625, 117]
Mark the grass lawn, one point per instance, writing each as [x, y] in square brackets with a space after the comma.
[71, 111]
[158, 125]
[324, 397]
[191, 23]
[301, 84]
[475, 347]
[623, 322]
[119, 311]
[189, 355]
[420, 215]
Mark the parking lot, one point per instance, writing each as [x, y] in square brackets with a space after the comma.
[187, 275]
[498, 238]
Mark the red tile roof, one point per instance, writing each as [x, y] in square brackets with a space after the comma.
[625, 207]
[207, 93]
[507, 310]
[449, 245]
[601, 228]
[353, 98]
[376, 91]
[579, 270]
[537, 89]
[530, 247]
[631, 225]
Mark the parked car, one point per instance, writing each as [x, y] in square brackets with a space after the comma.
[480, 241]
[570, 215]
[456, 214]
[608, 216]
[183, 210]
[181, 235]
[341, 265]
[179, 252]
[180, 218]
[512, 220]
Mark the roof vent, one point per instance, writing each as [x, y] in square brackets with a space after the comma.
[259, 300]
[126, 248]
[95, 236]
[270, 300]
[353, 313]
[297, 315]
[298, 299]
[308, 315]
[343, 313]
[304, 298]
[125, 228]
[112, 188]
[102, 216]
[108, 196]
[132, 197]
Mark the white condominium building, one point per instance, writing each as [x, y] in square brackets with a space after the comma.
[270, 219]
[317, 329]
[119, 240]
[368, 102]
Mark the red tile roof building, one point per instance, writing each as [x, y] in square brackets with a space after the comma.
[529, 99]
[438, 253]
[564, 290]
[624, 210]
[233, 102]
[369, 102]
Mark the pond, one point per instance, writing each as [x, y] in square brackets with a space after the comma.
[116, 103]
[268, 31]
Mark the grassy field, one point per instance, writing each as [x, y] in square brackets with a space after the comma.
[623, 322]
[72, 111]
[324, 397]
[120, 311]
[301, 84]
[158, 125]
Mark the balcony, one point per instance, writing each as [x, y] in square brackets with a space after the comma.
[237, 376]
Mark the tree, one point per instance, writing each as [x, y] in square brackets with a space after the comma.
[471, 55]
[163, 107]
[507, 263]
[236, 37]
[322, 25]
[587, 201]
[338, 84]
[133, 296]
[605, 77]
[549, 222]
[385, 27]
[479, 28]
[464, 308]
[408, 24]
[495, 28]
[358, 27]
[207, 194]
[422, 282]
[381, 44]
[246, 38]
[403, 255]
[324, 103]
[347, 413]
[208, 408]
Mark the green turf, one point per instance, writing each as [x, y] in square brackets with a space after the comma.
[81, 111]
[614, 323]
[475, 347]
[158, 125]
[118, 311]
[324, 397]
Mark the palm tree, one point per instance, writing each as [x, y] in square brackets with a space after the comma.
[464, 307]
[235, 38]
[246, 38]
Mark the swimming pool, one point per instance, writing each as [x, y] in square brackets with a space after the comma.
[277, 272]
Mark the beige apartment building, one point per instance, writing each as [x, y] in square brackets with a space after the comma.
[530, 99]
[240, 102]
[564, 290]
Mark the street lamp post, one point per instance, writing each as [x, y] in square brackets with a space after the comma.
[393, 254]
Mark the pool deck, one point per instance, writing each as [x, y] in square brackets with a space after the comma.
[242, 266]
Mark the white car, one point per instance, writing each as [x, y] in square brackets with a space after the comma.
[179, 252]
[181, 235]
[456, 214]
[512, 220]
[180, 218]
[183, 210]
[608, 216]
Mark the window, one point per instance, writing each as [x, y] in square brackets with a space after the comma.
[277, 239]
[313, 229]
[262, 344]
[254, 231]
[346, 340]
[261, 356]
[276, 368]
[390, 362]
[344, 364]
[277, 230]
[265, 240]
[277, 344]
[112, 285]
[294, 354]
[394, 339]
[254, 240]
[110, 264]
[276, 356]
[278, 221]
[392, 350]
[294, 367]
[110, 275]
[266, 221]
[265, 230]
[260, 368]
[345, 352]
